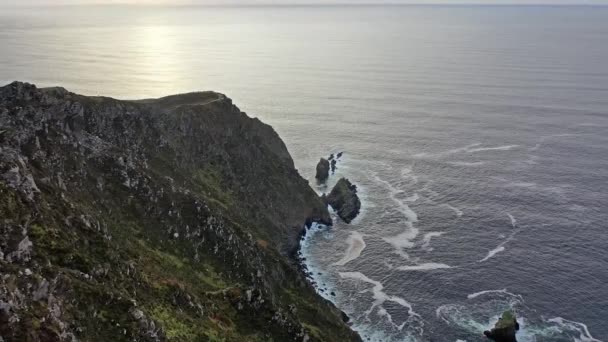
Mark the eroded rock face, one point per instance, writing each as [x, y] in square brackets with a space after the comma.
[322, 170]
[152, 220]
[343, 198]
[505, 329]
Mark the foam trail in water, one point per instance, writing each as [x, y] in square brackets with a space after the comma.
[404, 239]
[501, 246]
[378, 294]
[481, 293]
[473, 148]
[424, 267]
[493, 252]
[356, 245]
[457, 211]
[497, 148]
[513, 220]
[446, 153]
[463, 163]
[584, 336]
[426, 240]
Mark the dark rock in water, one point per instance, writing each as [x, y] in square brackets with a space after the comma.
[322, 170]
[151, 220]
[505, 329]
[331, 157]
[343, 198]
[339, 155]
[333, 166]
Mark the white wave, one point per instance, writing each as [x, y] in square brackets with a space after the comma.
[424, 267]
[584, 336]
[446, 153]
[379, 295]
[542, 139]
[497, 148]
[501, 246]
[356, 245]
[457, 211]
[403, 239]
[472, 148]
[463, 163]
[426, 240]
[493, 252]
[513, 220]
[481, 293]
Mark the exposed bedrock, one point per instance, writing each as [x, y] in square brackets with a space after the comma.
[322, 170]
[167, 219]
[343, 198]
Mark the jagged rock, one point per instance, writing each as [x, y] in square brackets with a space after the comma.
[505, 329]
[322, 170]
[343, 198]
[179, 204]
[339, 155]
[333, 166]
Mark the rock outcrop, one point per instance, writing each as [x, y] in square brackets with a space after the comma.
[322, 170]
[505, 329]
[153, 220]
[343, 198]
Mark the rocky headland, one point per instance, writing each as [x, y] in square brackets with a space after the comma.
[162, 219]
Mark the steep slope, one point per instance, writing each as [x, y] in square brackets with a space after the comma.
[151, 220]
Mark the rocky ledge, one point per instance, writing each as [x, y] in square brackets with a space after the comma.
[343, 198]
[152, 220]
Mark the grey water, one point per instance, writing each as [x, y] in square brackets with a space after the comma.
[477, 135]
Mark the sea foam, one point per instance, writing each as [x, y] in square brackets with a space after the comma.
[356, 245]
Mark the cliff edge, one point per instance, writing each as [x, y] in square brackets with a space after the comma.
[151, 220]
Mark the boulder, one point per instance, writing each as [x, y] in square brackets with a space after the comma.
[333, 166]
[505, 329]
[343, 198]
[322, 170]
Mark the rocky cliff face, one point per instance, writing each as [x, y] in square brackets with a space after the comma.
[152, 220]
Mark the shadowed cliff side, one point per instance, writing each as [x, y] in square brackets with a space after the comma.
[151, 220]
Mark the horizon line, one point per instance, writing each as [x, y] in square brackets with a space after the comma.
[311, 4]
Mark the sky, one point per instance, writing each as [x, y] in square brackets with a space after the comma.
[12, 3]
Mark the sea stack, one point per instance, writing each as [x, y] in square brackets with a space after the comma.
[322, 170]
[343, 198]
[505, 329]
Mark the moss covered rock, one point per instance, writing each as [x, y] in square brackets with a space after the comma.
[142, 221]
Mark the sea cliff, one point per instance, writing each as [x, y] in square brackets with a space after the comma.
[152, 220]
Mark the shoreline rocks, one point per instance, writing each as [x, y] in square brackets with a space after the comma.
[322, 170]
[343, 198]
[505, 329]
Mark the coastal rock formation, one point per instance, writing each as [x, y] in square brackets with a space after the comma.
[168, 219]
[343, 198]
[322, 170]
[505, 329]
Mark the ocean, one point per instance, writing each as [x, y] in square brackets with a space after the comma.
[477, 137]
